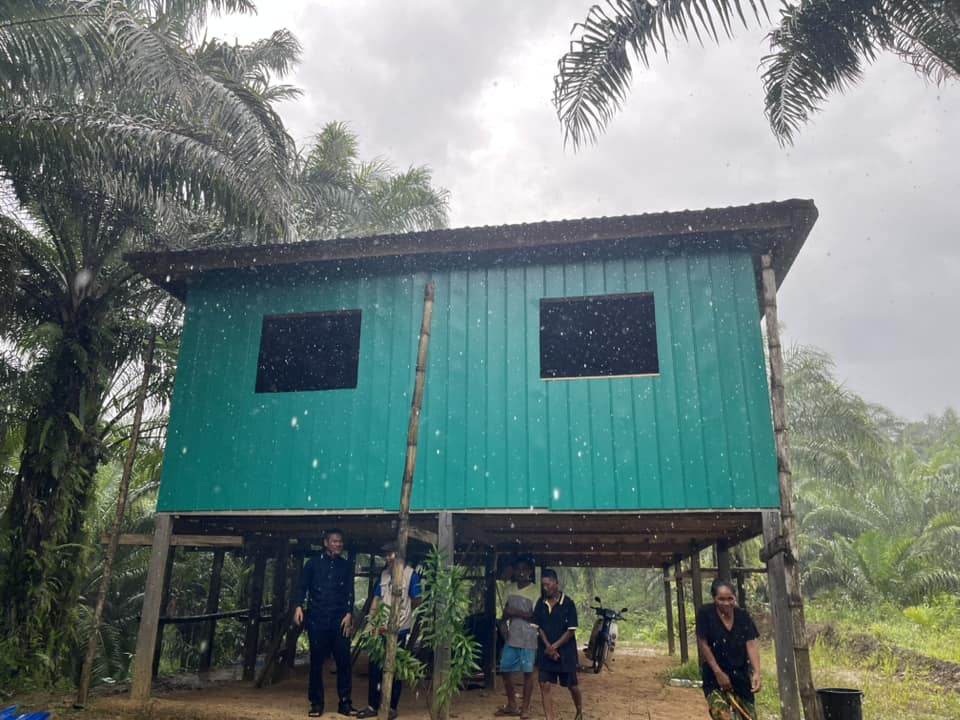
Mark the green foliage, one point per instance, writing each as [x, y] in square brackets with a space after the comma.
[343, 196]
[372, 639]
[818, 47]
[446, 604]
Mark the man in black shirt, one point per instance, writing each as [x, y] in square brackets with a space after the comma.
[555, 616]
[327, 583]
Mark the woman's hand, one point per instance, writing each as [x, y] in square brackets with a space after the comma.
[757, 682]
[298, 617]
[723, 680]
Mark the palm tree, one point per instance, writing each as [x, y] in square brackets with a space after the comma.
[344, 196]
[818, 47]
[116, 132]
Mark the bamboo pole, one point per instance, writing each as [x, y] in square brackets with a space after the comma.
[85, 675]
[406, 490]
[808, 693]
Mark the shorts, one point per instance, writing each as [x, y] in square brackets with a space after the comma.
[516, 659]
[566, 679]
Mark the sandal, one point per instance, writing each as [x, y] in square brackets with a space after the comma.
[507, 712]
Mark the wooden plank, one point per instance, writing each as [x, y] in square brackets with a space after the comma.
[490, 613]
[681, 615]
[722, 552]
[150, 614]
[164, 608]
[441, 665]
[782, 628]
[668, 605]
[788, 520]
[696, 580]
[198, 541]
[252, 638]
[212, 607]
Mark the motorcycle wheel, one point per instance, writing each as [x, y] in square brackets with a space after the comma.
[599, 654]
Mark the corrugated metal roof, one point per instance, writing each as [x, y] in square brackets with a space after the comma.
[779, 228]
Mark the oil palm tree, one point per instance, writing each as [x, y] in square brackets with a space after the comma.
[117, 131]
[344, 196]
[817, 47]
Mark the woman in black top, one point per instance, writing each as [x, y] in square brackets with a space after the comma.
[727, 639]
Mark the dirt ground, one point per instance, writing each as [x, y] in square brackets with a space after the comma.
[633, 689]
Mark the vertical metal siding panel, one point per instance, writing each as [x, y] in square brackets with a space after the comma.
[476, 390]
[580, 494]
[666, 418]
[758, 393]
[622, 419]
[378, 324]
[710, 390]
[496, 450]
[357, 442]
[737, 432]
[641, 427]
[688, 398]
[398, 392]
[558, 421]
[456, 388]
[174, 492]
[537, 426]
[429, 490]
[602, 481]
[516, 373]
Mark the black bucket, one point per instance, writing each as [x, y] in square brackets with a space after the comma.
[841, 703]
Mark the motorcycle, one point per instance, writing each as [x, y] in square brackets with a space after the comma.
[603, 638]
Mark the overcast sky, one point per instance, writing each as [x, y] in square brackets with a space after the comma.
[465, 87]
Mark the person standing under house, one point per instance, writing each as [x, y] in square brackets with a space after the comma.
[326, 584]
[411, 599]
[519, 651]
[727, 638]
[555, 616]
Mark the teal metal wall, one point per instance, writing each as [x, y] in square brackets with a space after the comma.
[493, 434]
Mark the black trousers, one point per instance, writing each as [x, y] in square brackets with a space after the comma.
[376, 680]
[322, 644]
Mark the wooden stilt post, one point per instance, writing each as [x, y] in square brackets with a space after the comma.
[281, 617]
[406, 491]
[213, 606]
[252, 640]
[150, 614]
[696, 579]
[490, 611]
[441, 663]
[164, 608]
[290, 653]
[722, 551]
[681, 615]
[87, 669]
[808, 693]
[741, 588]
[782, 629]
[668, 604]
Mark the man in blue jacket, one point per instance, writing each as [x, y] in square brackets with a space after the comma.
[326, 584]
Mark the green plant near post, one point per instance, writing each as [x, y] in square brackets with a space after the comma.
[372, 639]
[446, 603]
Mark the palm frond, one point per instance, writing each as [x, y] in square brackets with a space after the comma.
[818, 48]
[594, 76]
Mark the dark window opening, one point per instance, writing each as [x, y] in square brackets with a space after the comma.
[598, 336]
[312, 351]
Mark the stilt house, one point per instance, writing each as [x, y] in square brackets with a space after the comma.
[596, 389]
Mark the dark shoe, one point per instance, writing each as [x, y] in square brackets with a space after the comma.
[315, 711]
[367, 712]
[346, 708]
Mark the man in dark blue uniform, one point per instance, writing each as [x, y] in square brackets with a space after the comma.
[326, 583]
[555, 616]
